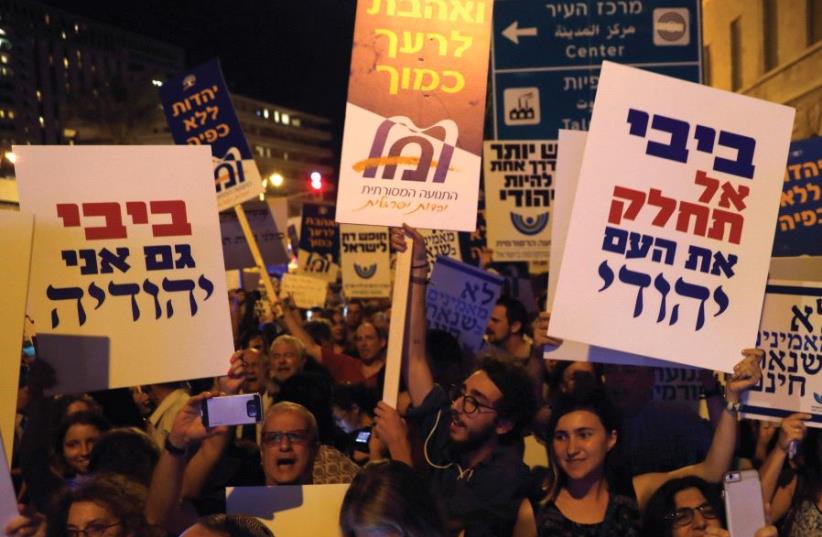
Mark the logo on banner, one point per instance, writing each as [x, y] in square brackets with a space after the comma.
[230, 171]
[421, 150]
[817, 398]
[529, 225]
[521, 106]
[366, 273]
[671, 27]
[189, 82]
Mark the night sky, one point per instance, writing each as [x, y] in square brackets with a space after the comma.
[295, 53]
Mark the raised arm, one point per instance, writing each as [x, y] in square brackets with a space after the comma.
[791, 430]
[416, 371]
[293, 324]
[720, 455]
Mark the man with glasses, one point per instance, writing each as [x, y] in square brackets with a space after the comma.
[472, 444]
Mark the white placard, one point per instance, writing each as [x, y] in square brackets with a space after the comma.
[791, 337]
[673, 220]
[308, 292]
[365, 261]
[441, 243]
[571, 149]
[127, 267]
[291, 509]
[15, 242]
[519, 186]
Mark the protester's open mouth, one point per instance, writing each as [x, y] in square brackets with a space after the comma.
[286, 463]
[456, 423]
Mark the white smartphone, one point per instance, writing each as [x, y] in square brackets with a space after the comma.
[744, 507]
[240, 409]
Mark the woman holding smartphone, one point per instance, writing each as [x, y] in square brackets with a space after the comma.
[587, 497]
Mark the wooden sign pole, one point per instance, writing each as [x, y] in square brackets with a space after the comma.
[396, 330]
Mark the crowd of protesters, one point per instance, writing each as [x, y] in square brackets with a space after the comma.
[448, 460]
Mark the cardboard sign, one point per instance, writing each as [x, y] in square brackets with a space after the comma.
[519, 186]
[571, 150]
[126, 272]
[790, 335]
[412, 143]
[672, 225]
[459, 300]
[440, 244]
[290, 509]
[198, 109]
[308, 292]
[268, 237]
[319, 253]
[366, 262]
[15, 242]
[799, 230]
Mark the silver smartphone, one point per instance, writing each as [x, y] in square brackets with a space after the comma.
[240, 409]
[744, 507]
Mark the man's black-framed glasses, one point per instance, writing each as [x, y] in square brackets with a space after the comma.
[684, 516]
[276, 437]
[94, 529]
[470, 404]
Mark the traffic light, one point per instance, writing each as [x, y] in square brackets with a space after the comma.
[316, 181]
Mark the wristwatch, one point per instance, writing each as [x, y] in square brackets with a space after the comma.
[174, 450]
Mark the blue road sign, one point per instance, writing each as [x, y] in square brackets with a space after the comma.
[547, 56]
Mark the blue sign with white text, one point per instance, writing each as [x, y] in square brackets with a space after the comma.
[198, 110]
[547, 57]
[799, 227]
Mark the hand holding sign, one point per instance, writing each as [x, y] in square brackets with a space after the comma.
[793, 429]
[398, 243]
[541, 337]
[26, 524]
[747, 374]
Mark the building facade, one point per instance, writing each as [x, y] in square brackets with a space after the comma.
[768, 49]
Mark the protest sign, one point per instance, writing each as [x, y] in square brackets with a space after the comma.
[266, 234]
[308, 291]
[412, 142]
[365, 261]
[516, 283]
[128, 279]
[571, 148]
[799, 230]
[290, 509]
[319, 253]
[15, 242]
[8, 499]
[440, 243]
[198, 109]
[790, 336]
[279, 211]
[665, 262]
[680, 385]
[459, 300]
[519, 187]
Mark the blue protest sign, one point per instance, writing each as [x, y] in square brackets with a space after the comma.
[799, 229]
[198, 109]
[269, 239]
[546, 57]
[319, 248]
[459, 300]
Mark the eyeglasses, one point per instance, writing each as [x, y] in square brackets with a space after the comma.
[684, 516]
[276, 437]
[289, 354]
[470, 405]
[92, 530]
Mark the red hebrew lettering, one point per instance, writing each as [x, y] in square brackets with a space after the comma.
[113, 228]
[179, 219]
[70, 213]
[138, 212]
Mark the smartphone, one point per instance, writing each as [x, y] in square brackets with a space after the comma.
[232, 410]
[361, 440]
[744, 507]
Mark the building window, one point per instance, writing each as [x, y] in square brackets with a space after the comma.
[770, 34]
[736, 54]
[296, 122]
[286, 119]
[814, 21]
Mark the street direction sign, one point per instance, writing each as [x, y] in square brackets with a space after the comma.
[546, 57]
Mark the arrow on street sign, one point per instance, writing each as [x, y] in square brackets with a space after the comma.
[513, 32]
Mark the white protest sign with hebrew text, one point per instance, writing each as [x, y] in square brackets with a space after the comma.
[571, 148]
[365, 261]
[673, 220]
[519, 186]
[459, 300]
[15, 241]
[290, 509]
[308, 292]
[128, 270]
[440, 243]
[790, 335]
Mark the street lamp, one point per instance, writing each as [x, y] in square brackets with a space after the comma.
[276, 180]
